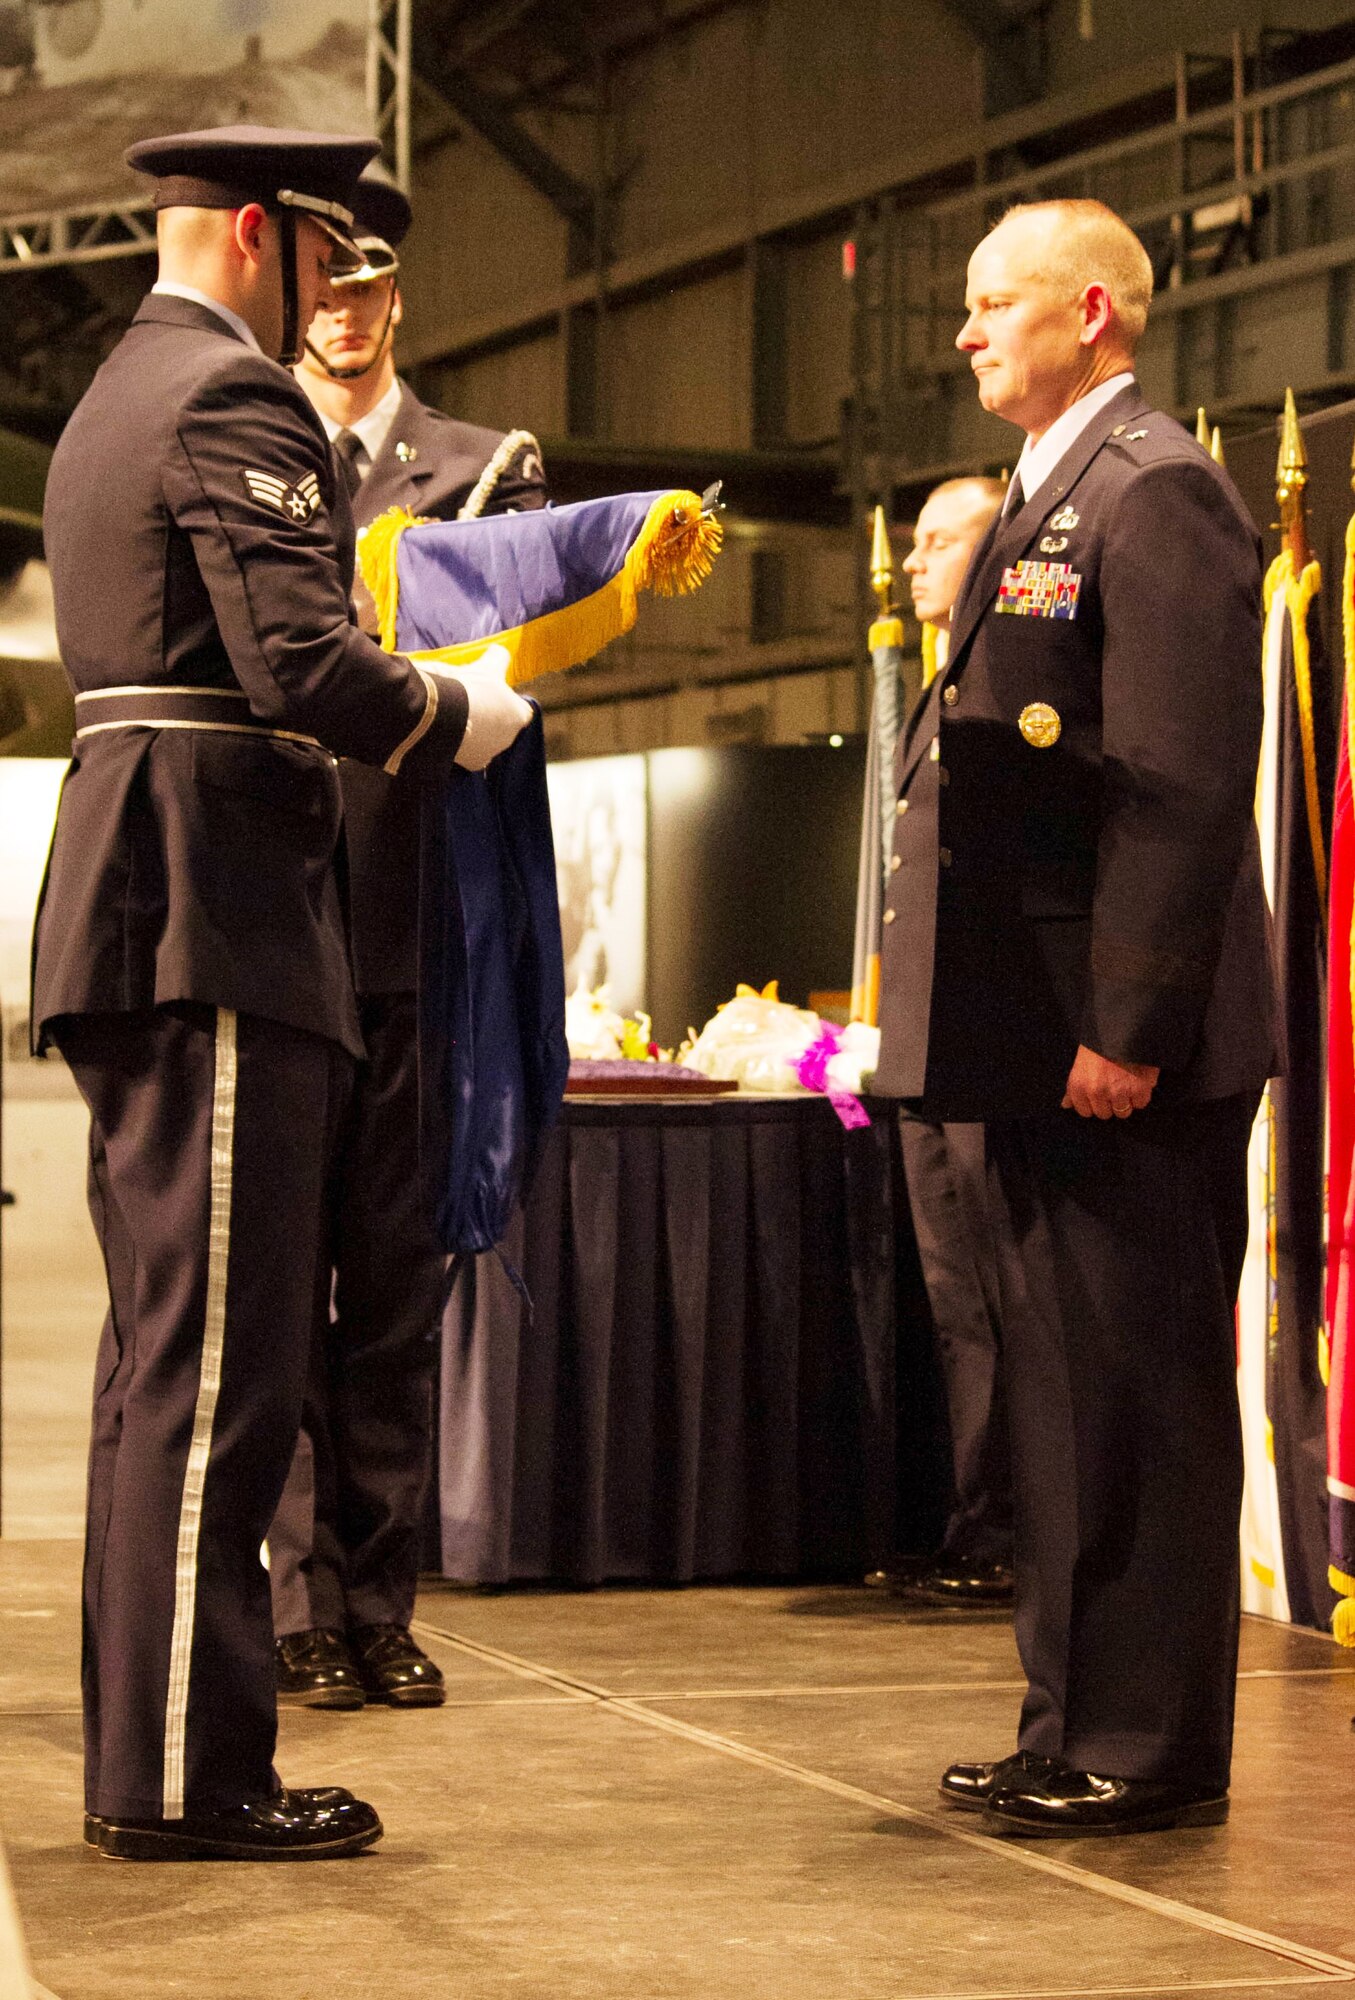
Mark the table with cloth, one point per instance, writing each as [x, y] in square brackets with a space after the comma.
[725, 1368]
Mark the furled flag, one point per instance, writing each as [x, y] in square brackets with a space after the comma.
[1340, 1353]
[552, 586]
[1280, 1306]
[877, 808]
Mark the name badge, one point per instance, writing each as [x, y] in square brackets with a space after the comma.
[1040, 590]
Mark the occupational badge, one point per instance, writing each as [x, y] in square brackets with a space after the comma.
[1040, 725]
[1066, 517]
[1135, 434]
[1052, 545]
[406, 453]
[1039, 590]
[297, 502]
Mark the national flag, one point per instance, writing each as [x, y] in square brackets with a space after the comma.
[552, 586]
[1280, 1307]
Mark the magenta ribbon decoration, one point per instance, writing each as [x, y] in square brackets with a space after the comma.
[812, 1070]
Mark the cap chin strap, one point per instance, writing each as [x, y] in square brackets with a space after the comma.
[291, 305]
[354, 374]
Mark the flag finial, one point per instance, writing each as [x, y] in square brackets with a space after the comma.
[882, 567]
[1201, 427]
[1291, 477]
[1216, 446]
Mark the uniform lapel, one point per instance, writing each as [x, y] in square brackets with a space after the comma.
[393, 479]
[1012, 537]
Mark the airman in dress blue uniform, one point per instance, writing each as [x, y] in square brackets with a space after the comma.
[1076, 950]
[190, 960]
[344, 1545]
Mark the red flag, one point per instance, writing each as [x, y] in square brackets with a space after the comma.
[1341, 1156]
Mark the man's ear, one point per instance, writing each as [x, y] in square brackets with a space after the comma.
[397, 309]
[1097, 313]
[251, 231]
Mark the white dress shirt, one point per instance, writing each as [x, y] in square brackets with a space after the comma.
[372, 430]
[233, 320]
[1039, 456]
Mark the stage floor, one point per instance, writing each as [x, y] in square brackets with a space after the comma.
[709, 1794]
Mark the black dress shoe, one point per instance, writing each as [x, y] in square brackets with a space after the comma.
[394, 1669]
[1063, 1803]
[318, 1825]
[970, 1786]
[960, 1581]
[316, 1670]
[93, 1828]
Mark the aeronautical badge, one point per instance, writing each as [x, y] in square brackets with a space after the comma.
[1053, 545]
[1039, 590]
[1040, 725]
[1065, 518]
[296, 503]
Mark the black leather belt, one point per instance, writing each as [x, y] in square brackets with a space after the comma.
[176, 708]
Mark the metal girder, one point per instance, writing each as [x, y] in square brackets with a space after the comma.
[487, 116]
[389, 39]
[76, 235]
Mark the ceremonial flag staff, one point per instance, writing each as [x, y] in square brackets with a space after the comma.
[877, 816]
[1281, 1303]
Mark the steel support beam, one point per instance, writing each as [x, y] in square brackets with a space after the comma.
[389, 42]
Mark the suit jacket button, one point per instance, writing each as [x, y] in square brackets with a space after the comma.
[951, 695]
[901, 808]
[895, 863]
[945, 857]
[888, 916]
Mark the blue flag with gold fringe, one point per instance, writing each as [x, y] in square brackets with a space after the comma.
[552, 586]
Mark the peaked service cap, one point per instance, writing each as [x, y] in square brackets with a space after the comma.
[381, 219]
[229, 166]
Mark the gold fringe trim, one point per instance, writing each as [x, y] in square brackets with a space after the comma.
[885, 632]
[1299, 593]
[378, 550]
[1343, 1617]
[673, 554]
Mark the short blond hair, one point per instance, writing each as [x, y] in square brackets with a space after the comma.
[989, 493]
[1090, 244]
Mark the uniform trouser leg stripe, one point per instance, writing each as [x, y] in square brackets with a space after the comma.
[209, 1385]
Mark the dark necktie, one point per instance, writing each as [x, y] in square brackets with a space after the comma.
[1014, 502]
[347, 448]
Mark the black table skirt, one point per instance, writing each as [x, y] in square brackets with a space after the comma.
[707, 1383]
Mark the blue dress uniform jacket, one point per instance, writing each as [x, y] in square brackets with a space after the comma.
[1076, 858]
[199, 537]
[431, 464]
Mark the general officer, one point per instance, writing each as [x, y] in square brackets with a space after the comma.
[344, 1545]
[191, 965]
[1077, 951]
[945, 1167]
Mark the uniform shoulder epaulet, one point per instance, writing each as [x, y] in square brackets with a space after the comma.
[1152, 437]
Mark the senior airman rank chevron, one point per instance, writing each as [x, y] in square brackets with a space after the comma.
[1040, 590]
[298, 502]
[552, 586]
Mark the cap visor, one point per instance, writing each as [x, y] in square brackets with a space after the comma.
[347, 261]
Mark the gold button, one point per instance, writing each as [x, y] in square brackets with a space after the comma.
[888, 917]
[1040, 724]
[901, 808]
[951, 695]
[945, 857]
[895, 863]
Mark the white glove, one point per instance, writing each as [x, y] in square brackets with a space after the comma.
[496, 715]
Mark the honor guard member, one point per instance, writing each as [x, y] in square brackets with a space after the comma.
[946, 1172]
[190, 960]
[1076, 950]
[344, 1547]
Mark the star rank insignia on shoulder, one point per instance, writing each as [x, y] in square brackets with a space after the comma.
[296, 503]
